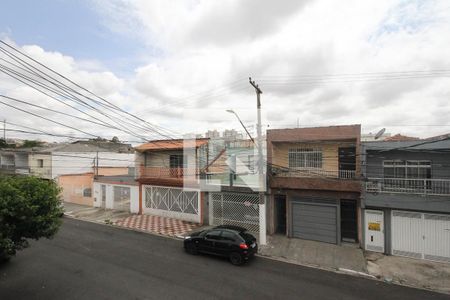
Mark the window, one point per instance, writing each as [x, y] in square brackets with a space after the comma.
[308, 158]
[87, 192]
[411, 169]
[228, 236]
[40, 163]
[177, 161]
[213, 235]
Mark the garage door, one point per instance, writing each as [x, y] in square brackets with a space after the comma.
[315, 222]
[421, 235]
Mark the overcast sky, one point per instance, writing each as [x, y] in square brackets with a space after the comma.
[181, 64]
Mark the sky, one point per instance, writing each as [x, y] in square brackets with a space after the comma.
[182, 64]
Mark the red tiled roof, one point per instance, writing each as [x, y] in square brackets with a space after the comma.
[400, 138]
[170, 144]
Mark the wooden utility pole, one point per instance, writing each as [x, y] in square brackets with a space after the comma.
[4, 130]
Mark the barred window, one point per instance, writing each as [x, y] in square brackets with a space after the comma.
[305, 158]
[411, 169]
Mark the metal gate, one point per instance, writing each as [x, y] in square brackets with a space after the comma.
[241, 209]
[421, 235]
[121, 198]
[171, 202]
[313, 221]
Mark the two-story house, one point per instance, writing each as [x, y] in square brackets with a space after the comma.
[406, 198]
[168, 177]
[314, 183]
[232, 185]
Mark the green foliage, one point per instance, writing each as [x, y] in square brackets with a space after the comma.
[3, 144]
[31, 144]
[30, 208]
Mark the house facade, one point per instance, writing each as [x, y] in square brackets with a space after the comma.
[168, 176]
[232, 185]
[314, 183]
[120, 192]
[406, 198]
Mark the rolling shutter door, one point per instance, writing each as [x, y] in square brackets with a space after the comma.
[314, 221]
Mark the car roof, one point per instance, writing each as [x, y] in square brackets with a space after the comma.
[231, 227]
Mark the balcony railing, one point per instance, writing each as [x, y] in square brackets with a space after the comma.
[342, 174]
[439, 187]
[163, 172]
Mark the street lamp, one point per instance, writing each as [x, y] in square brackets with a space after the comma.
[239, 119]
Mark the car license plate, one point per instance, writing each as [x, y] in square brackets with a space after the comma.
[253, 245]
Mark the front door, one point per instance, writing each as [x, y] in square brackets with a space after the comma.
[374, 230]
[349, 227]
[280, 210]
[347, 162]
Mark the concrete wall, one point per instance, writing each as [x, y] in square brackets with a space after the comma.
[134, 195]
[440, 169]
[330, 153]
[82, 162]
[73, 187]
[46, 170]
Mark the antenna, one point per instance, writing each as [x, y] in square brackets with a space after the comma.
[379, 133]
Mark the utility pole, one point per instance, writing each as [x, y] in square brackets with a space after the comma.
[4, 130]
[262, 177]
[96, 169]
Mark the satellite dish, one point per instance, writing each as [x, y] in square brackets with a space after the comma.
[379, 133]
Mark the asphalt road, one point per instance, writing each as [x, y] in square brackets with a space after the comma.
[90, 261]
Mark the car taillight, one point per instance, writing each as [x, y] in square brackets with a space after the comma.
[243, 246]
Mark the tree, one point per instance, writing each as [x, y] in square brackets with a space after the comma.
[3, 144]
[115, 139]
[30, 208]
[31, 144]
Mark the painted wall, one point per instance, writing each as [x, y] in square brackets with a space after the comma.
[73, 187]
[330, 153]
[36, 170]
[82, 162]
[109, 204]
[440, 169]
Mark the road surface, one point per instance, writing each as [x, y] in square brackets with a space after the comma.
[91, 261]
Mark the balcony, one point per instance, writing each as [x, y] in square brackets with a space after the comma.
[164, 172]
[317, 173]
[436, 187]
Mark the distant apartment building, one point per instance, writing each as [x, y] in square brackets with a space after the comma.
[212, 134]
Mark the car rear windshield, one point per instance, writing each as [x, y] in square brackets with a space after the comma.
[248, 238]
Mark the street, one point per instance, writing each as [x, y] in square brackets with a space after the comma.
[90, 261]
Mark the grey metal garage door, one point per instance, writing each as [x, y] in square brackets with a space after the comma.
[314, 222]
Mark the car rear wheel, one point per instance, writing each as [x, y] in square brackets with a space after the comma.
[191, 249]
[236, 259]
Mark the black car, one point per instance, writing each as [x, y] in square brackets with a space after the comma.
[233, 242]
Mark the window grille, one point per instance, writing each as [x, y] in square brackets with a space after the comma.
[305, 158]
[411, 169]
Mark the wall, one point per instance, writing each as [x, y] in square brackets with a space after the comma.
[330, 154]
[82, 162]
[440, 170]
[73, 187]
[134, 195]
[46, 170]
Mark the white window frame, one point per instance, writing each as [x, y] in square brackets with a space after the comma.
[305, 158]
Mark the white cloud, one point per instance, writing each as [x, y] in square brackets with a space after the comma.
[215, 45]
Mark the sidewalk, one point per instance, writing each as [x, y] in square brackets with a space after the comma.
[412, 272]
[147, 223]
[310, 253]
